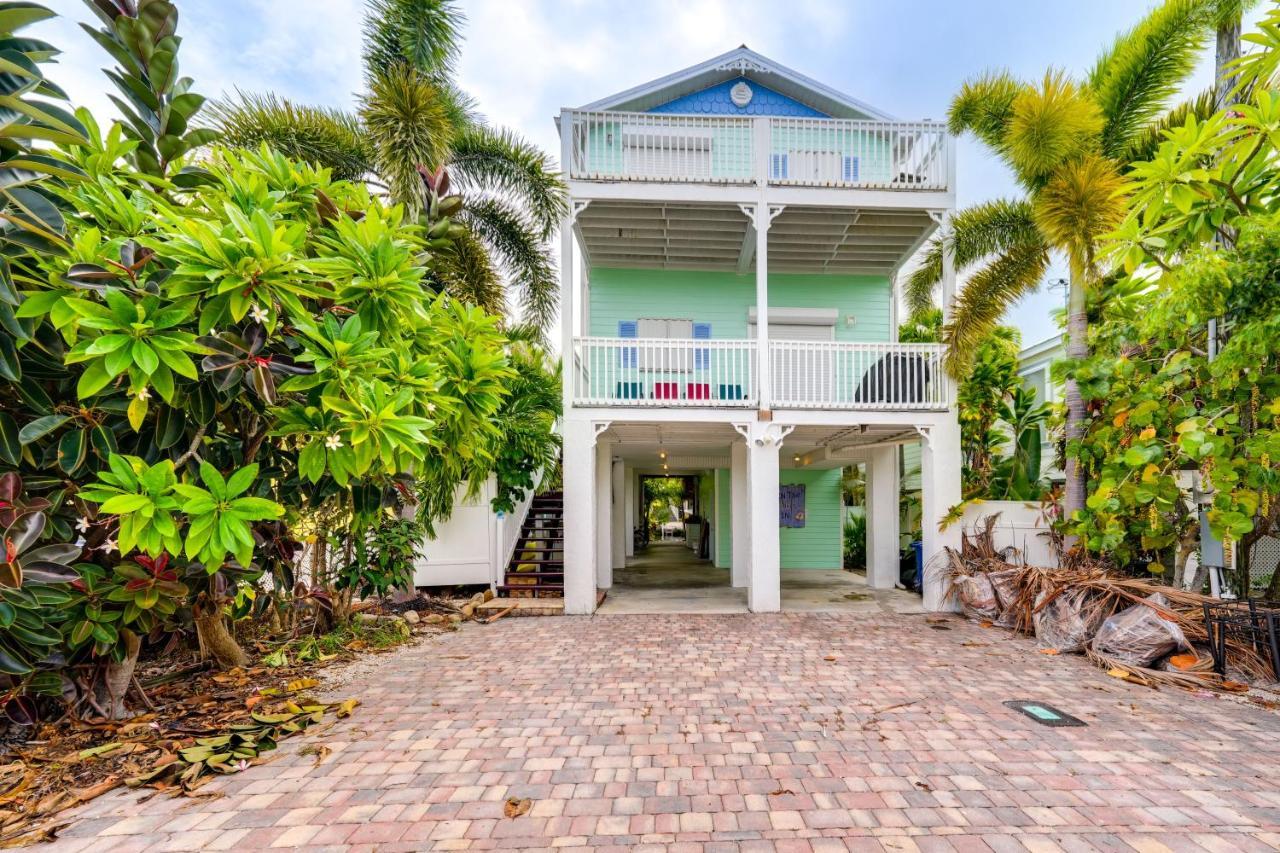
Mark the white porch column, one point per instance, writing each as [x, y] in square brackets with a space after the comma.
[739, 515]
[948, 267]
[882, 517]
[604, 513]
[764, 593]
[579, 516]
[618, 514]
[940, 481]
[764, 375]
[629, 538]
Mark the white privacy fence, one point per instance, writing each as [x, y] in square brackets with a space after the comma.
[661, 373]
[731, 149]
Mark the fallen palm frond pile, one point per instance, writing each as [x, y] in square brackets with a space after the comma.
[1137, 630]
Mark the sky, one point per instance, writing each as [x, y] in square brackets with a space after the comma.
[525, 59]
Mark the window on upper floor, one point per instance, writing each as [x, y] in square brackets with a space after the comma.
[665, 358]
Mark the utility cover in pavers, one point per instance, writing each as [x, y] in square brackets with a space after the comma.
[1045, 715]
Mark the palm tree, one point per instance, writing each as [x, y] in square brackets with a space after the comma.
[1068, 144]
[412, 115]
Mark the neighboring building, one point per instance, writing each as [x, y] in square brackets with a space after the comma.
[696, 200]
[1035, 365]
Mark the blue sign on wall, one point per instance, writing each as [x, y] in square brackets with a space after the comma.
[791, 501]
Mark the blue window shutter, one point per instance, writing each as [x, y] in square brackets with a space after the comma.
[777, 165]
[702, 355]
[628, 356]
[851, 169]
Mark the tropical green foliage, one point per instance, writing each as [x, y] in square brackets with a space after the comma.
[855, 542]
[1201, 241]
[1068, 142]
[156, 103]
[211, 368]
[413, 117]
[1000, 422]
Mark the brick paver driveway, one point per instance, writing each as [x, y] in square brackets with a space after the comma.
[739, 732]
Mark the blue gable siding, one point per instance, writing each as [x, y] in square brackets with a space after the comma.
[764, 102]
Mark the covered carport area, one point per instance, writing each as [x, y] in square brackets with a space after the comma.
[710, 572]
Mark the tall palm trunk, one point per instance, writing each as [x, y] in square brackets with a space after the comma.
[1077, 348]
[1226, 51]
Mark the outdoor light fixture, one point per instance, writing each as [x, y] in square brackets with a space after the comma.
[662, 454]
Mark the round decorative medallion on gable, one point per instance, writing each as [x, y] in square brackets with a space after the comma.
[740, 94]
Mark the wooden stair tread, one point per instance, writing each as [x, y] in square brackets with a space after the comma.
[540, 548]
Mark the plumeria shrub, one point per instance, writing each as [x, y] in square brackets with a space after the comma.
[231, 386]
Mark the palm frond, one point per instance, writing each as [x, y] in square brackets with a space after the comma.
[319, 135]
[976, 232]
[1051, 123]
[986, 296]
[1078, 205]
[465, 271]
[408, 125]
[462, 109]
[984, 105]
[1145, 67]
[1145, 145]
[522, 253]
[500, 161]
[424, 34]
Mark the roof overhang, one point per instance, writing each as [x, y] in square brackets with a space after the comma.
[740, 62]
[718, 236]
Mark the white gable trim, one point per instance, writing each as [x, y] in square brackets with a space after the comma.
[742, 60]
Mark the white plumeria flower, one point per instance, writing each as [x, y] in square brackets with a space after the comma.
[109, 546]
[143, 394]
[258, 313]
[83, 524]
[333, 442]
[431, 407]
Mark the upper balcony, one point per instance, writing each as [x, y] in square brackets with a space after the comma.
[610, 146]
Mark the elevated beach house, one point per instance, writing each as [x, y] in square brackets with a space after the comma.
[729, 306]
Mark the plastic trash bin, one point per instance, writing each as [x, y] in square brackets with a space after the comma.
[918, 547]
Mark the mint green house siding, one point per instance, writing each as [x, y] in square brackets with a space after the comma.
[817, 545]
[724, 517]
[723, 300]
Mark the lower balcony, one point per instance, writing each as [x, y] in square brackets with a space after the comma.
[665, 373]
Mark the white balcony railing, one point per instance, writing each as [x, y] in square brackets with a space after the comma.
[661, 373]
[838, 375]
[622, 146]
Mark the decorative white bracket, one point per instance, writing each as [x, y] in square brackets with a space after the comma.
[764, 434]
[926, 432]
[577, 208]
[749, 211]
[937, 215]
[598, 428]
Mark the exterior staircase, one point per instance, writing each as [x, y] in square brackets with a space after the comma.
[536, 569]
